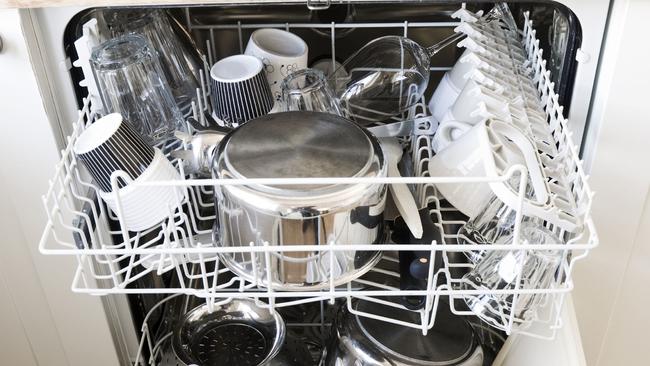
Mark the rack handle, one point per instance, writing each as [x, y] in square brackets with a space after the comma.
[318, 5]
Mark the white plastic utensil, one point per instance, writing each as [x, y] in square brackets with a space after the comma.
[401, 195]
[404, 128]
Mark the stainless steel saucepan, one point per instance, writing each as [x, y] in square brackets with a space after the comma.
[299, 145]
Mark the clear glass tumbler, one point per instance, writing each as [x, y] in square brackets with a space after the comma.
[308, 90]
[180, 59]
[499, 270]
[495, 222]
[131, 83]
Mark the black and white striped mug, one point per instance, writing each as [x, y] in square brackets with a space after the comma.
[111, 144]
[240, 91]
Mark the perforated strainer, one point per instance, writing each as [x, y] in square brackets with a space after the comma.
[239, 333]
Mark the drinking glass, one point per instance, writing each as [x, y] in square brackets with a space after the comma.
[308, 90]
[495, 222]
[180, 60]
[131, 83]
[499, 269]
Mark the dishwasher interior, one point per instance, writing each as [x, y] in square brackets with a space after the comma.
[160, 293]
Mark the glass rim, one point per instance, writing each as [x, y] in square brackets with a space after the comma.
[291, 78]
[140, 50]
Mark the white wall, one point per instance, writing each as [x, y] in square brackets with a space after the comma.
[613, 284]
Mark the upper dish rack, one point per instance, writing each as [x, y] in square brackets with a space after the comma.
[111, 260]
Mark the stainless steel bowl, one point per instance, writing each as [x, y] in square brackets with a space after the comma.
[300, 145]
[361, 341]
[235, 334]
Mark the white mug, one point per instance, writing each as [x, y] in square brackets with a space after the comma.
[281, 52]
[142, 207]
[469, 67]
[482, 68]
[443, 97]
[476, 103]
[477, 154]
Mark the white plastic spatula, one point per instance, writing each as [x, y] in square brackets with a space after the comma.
[401, 194]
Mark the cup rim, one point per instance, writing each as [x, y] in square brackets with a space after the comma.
[97, 133]
[288, 37]
[254, 67]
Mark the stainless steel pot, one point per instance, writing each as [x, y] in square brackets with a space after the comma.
[300, 145]
[361, 341]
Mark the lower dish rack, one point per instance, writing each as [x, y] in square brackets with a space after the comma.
[110, 260]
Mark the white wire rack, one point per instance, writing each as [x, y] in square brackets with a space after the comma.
[111, 260]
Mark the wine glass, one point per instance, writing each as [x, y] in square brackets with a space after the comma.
[389, 75]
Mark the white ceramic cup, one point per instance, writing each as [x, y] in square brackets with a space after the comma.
[470, 61]
[281, 52]
[443, 97]
[463, 68]
[479, 153]
[470, 67]
[476, 103]
[240, 91]
[143, 207]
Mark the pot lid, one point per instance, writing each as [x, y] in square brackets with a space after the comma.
[299, 145]
[449, 342]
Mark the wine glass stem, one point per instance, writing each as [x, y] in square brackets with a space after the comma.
[444, 43]
[496, 13]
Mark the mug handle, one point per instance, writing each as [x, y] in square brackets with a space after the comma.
[540, 206]
[448, 132]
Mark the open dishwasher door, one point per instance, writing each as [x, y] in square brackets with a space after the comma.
[565, 349]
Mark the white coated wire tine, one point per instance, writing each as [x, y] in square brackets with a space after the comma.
[206, 73]
[253, 256]
[195, 112]
[331, 253]
[269, 275]
[201, 116]
[333, 46]
[209, 51]
[213, 48]
[240, 37]
[203, 94]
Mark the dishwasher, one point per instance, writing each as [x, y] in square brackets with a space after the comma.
[208, 285]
